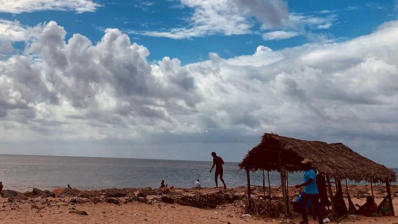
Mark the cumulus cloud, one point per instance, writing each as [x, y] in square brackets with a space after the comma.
[20, 6]
[76, 89]
[110, 82]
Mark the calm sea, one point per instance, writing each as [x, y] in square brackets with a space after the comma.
[48, 172]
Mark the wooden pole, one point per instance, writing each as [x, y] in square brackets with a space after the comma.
[248, 188]
[284, 191]
[389, 196]
[330, 191]
[287, 192]
[283, 183]
[264, 183]
[371, 187]
[269, 185]
[338, 185]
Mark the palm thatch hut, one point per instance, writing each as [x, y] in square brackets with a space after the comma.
[337, 161]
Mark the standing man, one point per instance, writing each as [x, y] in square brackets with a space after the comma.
[310, 192]
[218, 162]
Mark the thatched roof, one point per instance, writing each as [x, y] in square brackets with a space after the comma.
[336, 160]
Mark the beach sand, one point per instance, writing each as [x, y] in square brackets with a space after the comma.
[68, 208]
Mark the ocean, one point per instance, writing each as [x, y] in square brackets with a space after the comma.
[48, 172]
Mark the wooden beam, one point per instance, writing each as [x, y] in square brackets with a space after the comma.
[248, 188]
[389, 196]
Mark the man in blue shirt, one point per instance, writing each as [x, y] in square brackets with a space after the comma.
[310, 192]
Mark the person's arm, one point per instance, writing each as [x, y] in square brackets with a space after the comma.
[311, 178]
[304, 184]
[214, 163]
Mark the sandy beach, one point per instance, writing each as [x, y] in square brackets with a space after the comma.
[147, 205]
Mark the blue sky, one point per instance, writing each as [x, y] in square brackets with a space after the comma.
[177, 79]
[347, 19]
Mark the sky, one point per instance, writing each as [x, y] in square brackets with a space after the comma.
[178, 79]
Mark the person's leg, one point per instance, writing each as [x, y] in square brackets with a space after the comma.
[317, 210]
[216, 177]
[222, 179]
[304, 200]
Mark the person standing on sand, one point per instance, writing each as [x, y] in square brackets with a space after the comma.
[310, 192]
[218, 162]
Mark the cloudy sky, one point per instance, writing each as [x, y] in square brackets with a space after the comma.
[177, 79]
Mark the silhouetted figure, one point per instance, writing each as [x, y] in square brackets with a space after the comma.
[163, 184]
[218, 162]
[310, 192]
[69, 187]
[1, 186]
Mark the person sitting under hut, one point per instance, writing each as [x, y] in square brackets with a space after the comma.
[369, 208]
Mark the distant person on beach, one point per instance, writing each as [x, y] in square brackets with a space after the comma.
[310, 192]
[1, 186]
[218, 162]
[163, 184]
[197, 184]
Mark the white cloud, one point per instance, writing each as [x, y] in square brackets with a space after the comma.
[12, 31]
[277, 35]
[236, 17]
[229, 17]
[20, 6]
[75, 89]
[311, 21]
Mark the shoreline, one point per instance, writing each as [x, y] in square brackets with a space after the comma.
[147, 205]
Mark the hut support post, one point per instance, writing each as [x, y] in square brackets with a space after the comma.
[284, 191]
[338, 185]
[287, 192]
[330, 191]
[248, 188]
[371, 188]
[389, 196]
[269, 185]
[264, 183]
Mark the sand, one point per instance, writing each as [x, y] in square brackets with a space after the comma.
[58, 210]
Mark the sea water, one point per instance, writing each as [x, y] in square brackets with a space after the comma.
[48, 172]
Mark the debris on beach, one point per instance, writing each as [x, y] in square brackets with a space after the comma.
[207, 200]
[266, 208]
[112, 200]
[78, 212]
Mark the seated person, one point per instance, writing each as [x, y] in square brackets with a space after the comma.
[369, 208]
[197, 184]
[163, 184]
